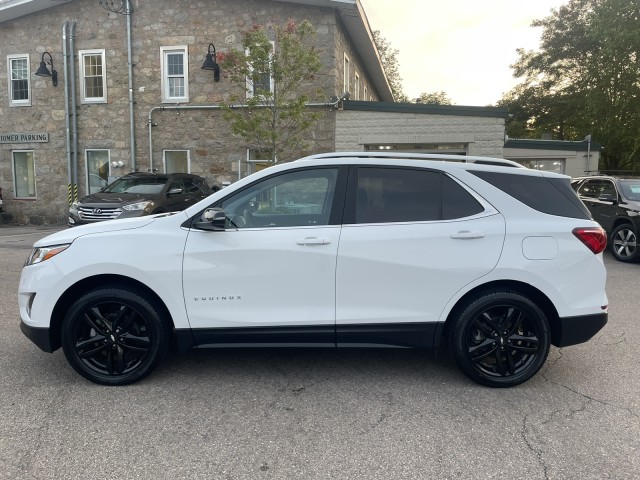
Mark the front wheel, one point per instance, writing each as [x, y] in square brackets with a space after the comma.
[500, 339]
[114, 336]
[624, 245]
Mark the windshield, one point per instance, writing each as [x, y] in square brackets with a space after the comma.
[631, 189]
[150, 185]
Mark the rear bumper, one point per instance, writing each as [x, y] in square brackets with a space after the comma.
[39, 336]
[574, 330]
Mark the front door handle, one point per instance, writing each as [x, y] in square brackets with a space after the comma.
[313, 241]
[467, 235]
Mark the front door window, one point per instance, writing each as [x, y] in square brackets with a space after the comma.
[296, 199]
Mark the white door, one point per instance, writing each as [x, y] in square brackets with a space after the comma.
[416, 238]
[275, 263]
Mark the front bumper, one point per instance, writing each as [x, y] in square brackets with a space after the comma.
[40, 336]
[574, 330]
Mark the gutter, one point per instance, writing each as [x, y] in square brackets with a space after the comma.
[132, 130]
[65, 68]
[178, 107]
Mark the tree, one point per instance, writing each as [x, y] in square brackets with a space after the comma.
[585, 79]
[389, 60]
[434, 98]
[275, 80]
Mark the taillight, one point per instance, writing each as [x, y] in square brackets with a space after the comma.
[595, 238]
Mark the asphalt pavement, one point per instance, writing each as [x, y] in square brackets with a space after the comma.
[320, 414]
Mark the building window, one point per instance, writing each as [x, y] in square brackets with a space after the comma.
[346, 81]
[260, 81]
[365, 94]
[24, 174]
[177, 161]
[93, 82]
[98, 162]
[256, 161]
[174, 69]
[356, 87]
[19, 84]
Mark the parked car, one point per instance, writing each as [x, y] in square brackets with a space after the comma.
[335, 250]
[614, 203]
[138, 194]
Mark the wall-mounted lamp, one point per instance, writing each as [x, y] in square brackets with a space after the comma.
[118, 164]
[43, 71]
[211, 64]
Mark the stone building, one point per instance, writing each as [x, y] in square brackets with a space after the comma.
[117, 73]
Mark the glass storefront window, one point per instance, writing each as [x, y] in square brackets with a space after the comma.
[24, 174]
[546, 165]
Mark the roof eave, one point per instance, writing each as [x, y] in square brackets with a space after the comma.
[12, 9]
[357, 25]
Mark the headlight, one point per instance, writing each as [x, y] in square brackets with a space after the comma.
[134, 207]
[40, 254]
[74, 205]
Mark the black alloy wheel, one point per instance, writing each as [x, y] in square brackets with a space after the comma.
[113, 336]
[501, 339]
[624, 243]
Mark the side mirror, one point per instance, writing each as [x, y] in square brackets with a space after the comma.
[608, 197]
[213, 219]
[174, 191]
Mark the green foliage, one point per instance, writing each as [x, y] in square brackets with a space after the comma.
[585, 79]
[434, 98]
[389, 59]
[276, 80]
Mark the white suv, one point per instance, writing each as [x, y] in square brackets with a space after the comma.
[335, 250]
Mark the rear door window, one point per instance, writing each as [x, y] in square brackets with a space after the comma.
[410, 195]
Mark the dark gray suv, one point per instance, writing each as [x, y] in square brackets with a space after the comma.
[138, 194]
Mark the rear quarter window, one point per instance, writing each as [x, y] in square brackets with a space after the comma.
[553, 196]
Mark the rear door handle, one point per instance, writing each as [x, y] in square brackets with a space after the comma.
[313, 241]
[467, 235]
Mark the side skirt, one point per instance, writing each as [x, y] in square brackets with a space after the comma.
[398, 335]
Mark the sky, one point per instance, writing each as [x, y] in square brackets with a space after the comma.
[461, 47]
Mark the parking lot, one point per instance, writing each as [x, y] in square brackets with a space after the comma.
[343, 414]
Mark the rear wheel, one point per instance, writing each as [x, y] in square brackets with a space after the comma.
[500, 339]
[114, 336]
[624, 245]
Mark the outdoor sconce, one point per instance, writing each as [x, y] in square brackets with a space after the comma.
[118, 164]
[211, 64]
[43, 71]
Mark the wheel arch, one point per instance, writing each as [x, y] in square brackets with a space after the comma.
[535, 295]
[79, 288]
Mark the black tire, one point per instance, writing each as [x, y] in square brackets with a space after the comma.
[623, 244]
[500, 338]
[114, 336]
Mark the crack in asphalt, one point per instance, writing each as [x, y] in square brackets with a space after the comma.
[537, 452]
[584, 395]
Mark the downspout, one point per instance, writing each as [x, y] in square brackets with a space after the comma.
[179, 107]
[66, 106]
[132, 130]
[74, 111]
